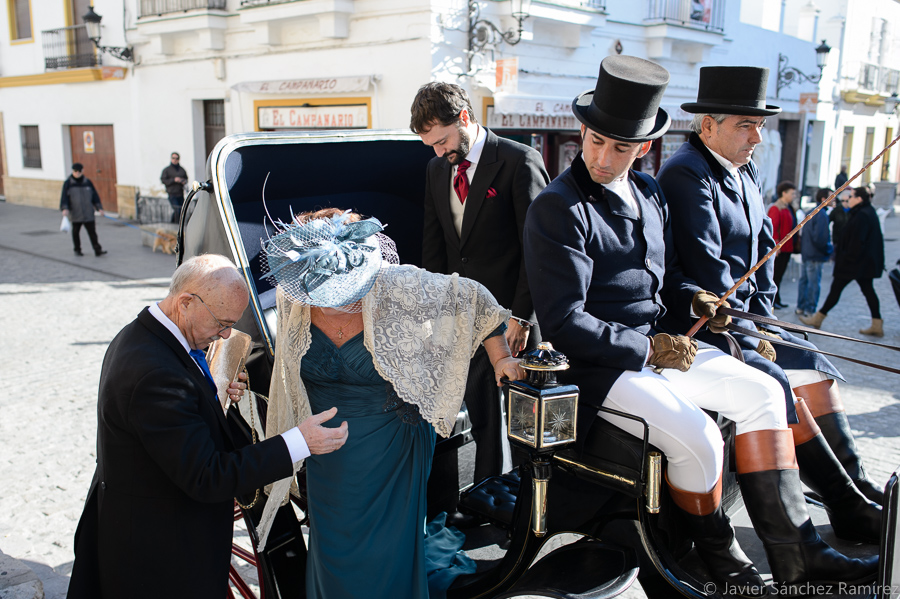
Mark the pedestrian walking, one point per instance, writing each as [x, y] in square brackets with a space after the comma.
[79, 201]
[816, 249]
[841, 177]
[861, 259]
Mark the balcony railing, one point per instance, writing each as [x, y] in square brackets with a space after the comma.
[890, 81]
[599, 5]
[160, 7]
[868, 76]
[69, 48]
[696, 14]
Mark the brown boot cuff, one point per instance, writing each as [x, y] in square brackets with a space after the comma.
[696, 504]
[761, 451]
[821, 398]
[807, 428]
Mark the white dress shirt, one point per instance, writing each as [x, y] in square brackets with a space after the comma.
[294, 438]
[622, 188]
[730, 167]
[456, 207]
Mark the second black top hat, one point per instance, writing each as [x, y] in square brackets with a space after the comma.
[732, 90]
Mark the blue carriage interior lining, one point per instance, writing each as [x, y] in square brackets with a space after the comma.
[380, 178]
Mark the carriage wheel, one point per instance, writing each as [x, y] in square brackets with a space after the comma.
[234, 577]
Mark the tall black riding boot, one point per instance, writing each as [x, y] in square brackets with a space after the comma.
[770, 484]
[827, 409]
[853, 517]
[716, 543]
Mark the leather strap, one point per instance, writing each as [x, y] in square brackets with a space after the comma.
[806, 429]
[797, 328]
[779, 341]
[760, 451]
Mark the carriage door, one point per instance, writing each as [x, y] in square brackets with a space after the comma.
[93, 146]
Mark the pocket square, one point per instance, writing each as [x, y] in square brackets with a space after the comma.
[491, 193]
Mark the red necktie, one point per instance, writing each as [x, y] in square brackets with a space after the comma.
[461, 181]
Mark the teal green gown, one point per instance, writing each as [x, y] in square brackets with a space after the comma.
[367, 499]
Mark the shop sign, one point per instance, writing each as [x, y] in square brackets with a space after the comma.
[352, 116]
[531, 121]
[809, 101]
[112, 73]
[507, 79]
[321, 85]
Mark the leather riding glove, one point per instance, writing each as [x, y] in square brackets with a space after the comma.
[765, 348]
[672, 351]
[704, 304]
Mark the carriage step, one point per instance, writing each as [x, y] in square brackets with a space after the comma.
[587, 569]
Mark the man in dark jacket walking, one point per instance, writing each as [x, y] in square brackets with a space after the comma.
[78, 202]
[815, 250]
[861, 260]
[174, 177]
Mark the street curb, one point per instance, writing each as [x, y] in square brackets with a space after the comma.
[17, 581]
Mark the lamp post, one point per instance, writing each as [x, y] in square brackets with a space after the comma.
[483, 32]
[787, 74]
[92, 24]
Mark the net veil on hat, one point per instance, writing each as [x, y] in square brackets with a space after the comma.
[328, 262]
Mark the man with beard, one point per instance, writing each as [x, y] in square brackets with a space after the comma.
[477, 192]
[716, 203]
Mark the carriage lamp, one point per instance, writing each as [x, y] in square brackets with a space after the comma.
[542, 420]
[92, 25]
[541, 411]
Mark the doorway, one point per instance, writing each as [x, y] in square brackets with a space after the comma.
[94, 147]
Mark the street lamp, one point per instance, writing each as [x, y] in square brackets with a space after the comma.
[92, 24]
[483, 32]
[787, 75]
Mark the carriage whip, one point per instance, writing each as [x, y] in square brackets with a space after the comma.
[778, 245]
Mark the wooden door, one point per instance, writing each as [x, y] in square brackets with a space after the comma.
[94, 147]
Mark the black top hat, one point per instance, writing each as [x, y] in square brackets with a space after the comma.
[625, 104]
[732, 90]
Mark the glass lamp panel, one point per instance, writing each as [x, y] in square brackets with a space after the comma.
[523, 417]
[558, 420]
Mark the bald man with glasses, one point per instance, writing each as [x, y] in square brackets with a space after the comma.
[169, 460]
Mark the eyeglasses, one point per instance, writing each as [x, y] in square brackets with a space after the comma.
[218, 322]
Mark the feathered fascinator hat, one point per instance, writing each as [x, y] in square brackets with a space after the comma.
[328, 262]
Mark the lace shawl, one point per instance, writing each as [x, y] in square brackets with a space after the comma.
[421, 329]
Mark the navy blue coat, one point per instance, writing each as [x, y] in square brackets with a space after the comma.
[720, 234]
[596, 271]
[816, 246]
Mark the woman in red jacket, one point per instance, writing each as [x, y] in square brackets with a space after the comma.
[782, 215]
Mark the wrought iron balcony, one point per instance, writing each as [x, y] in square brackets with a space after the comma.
[708, 15]
[69, 48]
[154, 8]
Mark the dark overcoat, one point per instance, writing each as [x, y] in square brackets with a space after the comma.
[862, 245]
[160, 511]
[597, 272]
[489, 247]
[721, 232]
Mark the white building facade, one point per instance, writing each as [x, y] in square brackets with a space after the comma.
[206, 68]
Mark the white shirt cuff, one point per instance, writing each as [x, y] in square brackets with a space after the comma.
[296, 444]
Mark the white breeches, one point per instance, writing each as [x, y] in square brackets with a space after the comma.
[798, 378]
[672, 403]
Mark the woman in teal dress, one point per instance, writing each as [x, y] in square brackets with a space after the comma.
[388, 346]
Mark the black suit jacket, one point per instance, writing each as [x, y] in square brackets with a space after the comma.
[160, 508]
[489, 248]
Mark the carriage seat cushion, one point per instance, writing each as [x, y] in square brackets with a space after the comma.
[493, 499]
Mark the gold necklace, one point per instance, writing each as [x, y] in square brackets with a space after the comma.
[340, 329]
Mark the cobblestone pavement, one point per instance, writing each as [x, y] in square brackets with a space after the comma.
[58, 313]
